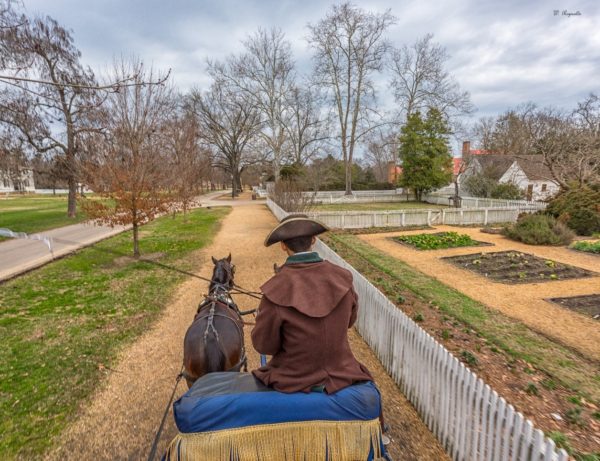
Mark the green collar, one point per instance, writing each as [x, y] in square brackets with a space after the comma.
[303, 258]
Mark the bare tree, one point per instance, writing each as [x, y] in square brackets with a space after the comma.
[127, 163]
[188, 163]
[349, 47]
[382, 150]
[53, 115]
[265, 75]
[307, 127]
[570, 149]
[420, 81]
[229, 123]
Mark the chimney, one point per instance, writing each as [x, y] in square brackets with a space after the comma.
[466, 148]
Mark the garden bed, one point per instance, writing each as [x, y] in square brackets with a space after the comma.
[438, 241]
[517, 267]
[587, 246]
[588, 305]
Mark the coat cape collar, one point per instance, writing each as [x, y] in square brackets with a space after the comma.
[302, 258]
[314, 289]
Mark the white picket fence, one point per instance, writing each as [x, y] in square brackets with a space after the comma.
[469, 418]
[366, 196]
[417, 217]
[476, 202]
[370, 196]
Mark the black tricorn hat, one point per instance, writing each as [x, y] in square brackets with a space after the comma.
[295, 225]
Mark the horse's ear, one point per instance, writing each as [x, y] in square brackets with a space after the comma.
[229, 258]
[214, 260]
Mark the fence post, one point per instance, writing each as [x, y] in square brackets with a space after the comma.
[485, 219]
[429, 217]
[403, 220]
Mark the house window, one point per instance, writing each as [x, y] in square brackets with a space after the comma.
[544, 187]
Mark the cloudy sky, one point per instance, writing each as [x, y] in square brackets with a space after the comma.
[503, 52]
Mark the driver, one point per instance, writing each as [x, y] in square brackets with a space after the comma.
[304, 317]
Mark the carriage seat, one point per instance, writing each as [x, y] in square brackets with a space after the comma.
[234, 416]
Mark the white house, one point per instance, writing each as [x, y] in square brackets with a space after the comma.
[530, 174]
[24, 183]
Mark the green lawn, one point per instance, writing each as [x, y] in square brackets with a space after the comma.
[377, 206]
[515, 338]
[35, 213]
[60, 323]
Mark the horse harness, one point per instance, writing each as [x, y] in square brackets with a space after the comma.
[220, 296]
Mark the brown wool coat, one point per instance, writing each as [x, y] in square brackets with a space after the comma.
[303, 322]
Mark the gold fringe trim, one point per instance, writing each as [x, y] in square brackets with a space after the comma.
[307, 440]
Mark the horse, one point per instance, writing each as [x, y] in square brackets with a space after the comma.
[215, 339]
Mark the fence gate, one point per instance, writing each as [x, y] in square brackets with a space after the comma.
[436, 218]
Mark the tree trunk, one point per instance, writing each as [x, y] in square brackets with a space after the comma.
[348, 178]
[72, 200]
[136, 244]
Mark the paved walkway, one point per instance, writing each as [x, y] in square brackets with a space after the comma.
[21, 255]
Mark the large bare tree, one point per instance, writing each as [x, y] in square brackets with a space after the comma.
[127, 163]
[229, 123]
[264, 73]
[420, 80]
[349, 48]
[51, 99]
[307, 125]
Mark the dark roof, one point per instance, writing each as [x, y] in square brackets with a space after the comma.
[494, 166]
[533, 166]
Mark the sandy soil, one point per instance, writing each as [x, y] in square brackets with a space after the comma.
[525, 302]
[121, 419]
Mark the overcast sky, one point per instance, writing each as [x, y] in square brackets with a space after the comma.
[503, 52]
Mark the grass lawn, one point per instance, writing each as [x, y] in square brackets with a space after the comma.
[377, 206]
[35, 213]
[61, 323]
[515, 338]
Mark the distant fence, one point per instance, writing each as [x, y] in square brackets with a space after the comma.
[398, 195]
[418, 217]
[363, 196]
[469, 418]
[476, 202]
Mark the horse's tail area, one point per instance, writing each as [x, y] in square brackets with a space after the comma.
[215, 358]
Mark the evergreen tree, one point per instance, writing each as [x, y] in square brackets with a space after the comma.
[425, 154]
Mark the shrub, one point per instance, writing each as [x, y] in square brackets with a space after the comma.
[479, 185]
[578, 208]
[539, 229]
[507, 191]
[289, 195]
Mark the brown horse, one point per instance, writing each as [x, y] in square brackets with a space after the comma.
[215, 340]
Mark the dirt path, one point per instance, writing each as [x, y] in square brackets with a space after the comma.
[525, 302]
[121, 419]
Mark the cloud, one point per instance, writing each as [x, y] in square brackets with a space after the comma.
[503, 53]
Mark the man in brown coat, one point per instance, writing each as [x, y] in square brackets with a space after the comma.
[304, 317]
